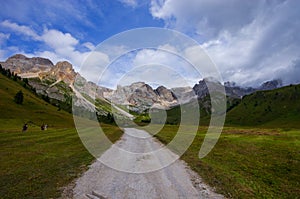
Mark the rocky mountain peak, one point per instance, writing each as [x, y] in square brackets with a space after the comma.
[33, 60]
[64, 65]
[141, 96]
[201, 89]
[21, 64]
[17, 56]
[270, 85]
[165, 94]
[63, 71]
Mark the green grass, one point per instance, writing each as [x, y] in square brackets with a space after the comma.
[279, 108]
[38, 164]
[33, 110]
[247, 162]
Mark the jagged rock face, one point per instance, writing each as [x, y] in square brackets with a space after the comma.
[40, 67]
[232, 91]
[270, 85]
[63, 71]
[201, 89]
[56, 82]
[165, 94]
[238, 92]
[60, 91]
[22, 64]
[90, 88]
[132, 95]
[183, 94]
[140, 96]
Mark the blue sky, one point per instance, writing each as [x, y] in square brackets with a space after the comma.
[249, 41]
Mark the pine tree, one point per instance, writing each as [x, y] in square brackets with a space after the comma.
[19, 97]
[8, 73]
[15, 77]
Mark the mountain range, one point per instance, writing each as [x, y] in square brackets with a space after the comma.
[57, 82]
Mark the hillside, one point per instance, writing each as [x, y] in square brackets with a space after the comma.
[274, 108]
[33, 111]
[38, 164]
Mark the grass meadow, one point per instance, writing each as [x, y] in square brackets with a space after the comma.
[247, 162]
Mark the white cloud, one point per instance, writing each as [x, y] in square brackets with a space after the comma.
[93, 66]
[131, 3]
[3, 38]
[199, 59]
[89, 46]
[63, 45]
[154, 75]
[168, 48]
[20, 29]
[250, 42]
[162, 66]
[59, 40]
[207, 17]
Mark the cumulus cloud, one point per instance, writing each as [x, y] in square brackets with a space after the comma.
[154, 74]
[58, 40]
[63, 46]
[164, 65]
[174, 60]
[94, 65]
[249, 41]
[207, 17]
[19, 29]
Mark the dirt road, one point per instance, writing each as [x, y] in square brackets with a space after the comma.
[173, 181]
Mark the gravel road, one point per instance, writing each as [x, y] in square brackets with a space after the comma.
[173, 181]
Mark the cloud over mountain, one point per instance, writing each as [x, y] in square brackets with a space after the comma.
[249, 41]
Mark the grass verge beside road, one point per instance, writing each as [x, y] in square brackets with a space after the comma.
[247, 162]
[37, 164]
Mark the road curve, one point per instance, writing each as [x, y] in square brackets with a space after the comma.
[173, 181]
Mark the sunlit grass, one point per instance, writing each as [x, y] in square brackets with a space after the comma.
[247, 162]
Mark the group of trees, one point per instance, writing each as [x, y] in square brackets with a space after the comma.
[109, 118]
[9, 74]
[14, 76]
[19, 97]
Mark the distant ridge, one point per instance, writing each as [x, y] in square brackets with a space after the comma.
[57, 82]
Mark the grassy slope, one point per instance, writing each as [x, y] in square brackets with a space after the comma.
[33, 110]
[278, 108]
[247, 162]
[36, 164]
